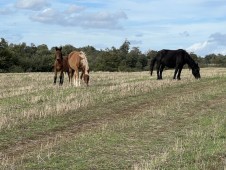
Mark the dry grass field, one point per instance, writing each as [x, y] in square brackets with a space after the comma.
[121, 121]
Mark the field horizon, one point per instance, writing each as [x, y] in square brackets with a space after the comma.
[123, 120]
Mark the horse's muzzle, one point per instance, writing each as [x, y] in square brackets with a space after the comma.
[198, 77]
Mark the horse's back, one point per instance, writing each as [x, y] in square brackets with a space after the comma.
[171, 57]
[74, 59]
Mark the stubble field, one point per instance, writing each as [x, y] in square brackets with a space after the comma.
[121, 121]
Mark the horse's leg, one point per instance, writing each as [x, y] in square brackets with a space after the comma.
[179, 72]
[70, 75]
[61, 77]
[81, 76]
[76, 77]
[79, 82]
[158, 71]
[55, 76]
[161, 70]
[175, 73]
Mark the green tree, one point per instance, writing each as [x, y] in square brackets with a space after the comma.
[7, 60]
[67, 49]
[132, 57]
[124, 48]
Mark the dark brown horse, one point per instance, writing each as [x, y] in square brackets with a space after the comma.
[60, 65]
[78, 62]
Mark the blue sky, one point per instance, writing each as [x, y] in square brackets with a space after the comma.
[198, 26]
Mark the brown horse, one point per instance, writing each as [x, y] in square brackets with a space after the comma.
[60, 65]
[78, 62]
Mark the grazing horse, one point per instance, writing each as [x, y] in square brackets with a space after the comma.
[78, 62]
[60, 65]
[174, 59]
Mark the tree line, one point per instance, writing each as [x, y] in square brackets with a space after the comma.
[30, 58]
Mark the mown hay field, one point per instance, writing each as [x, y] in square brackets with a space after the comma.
[121, 121]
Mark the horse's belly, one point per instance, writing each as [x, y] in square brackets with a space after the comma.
[169, 64]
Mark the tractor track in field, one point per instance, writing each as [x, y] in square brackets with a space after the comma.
[46, 140]
[63, 134]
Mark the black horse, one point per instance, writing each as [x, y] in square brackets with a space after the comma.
[174, 59]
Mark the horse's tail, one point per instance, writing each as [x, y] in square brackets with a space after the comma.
[152, 64]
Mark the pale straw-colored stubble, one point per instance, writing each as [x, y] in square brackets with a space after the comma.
[210, 72]
[104, 87]
[118, 85]
[13, 84]
[34, 103]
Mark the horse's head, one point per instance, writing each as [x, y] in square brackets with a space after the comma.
[196, 71]
[86, 78]
[58, 54]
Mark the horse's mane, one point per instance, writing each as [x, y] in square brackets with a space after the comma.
[191, 63]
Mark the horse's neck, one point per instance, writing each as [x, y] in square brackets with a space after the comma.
[59, 61]
[190, 62]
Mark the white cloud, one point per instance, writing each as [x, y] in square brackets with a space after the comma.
[184, 34]
[74, 9]
[31, 4]
[100, 20]
[198, 46]
[5, 11]
[48, 15]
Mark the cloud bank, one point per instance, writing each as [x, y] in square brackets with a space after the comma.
[216, 43]
[73, 16]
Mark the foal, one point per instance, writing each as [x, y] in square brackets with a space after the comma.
[60, 65]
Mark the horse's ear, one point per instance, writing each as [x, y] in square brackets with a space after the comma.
[60, 48]
[56, 48]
